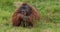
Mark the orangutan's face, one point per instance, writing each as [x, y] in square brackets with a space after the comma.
[25, 9]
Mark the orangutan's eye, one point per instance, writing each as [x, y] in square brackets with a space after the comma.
[24, 7]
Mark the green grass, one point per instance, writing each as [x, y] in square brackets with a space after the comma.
[49, 11]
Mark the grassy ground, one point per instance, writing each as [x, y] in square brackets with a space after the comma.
[49, 10]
